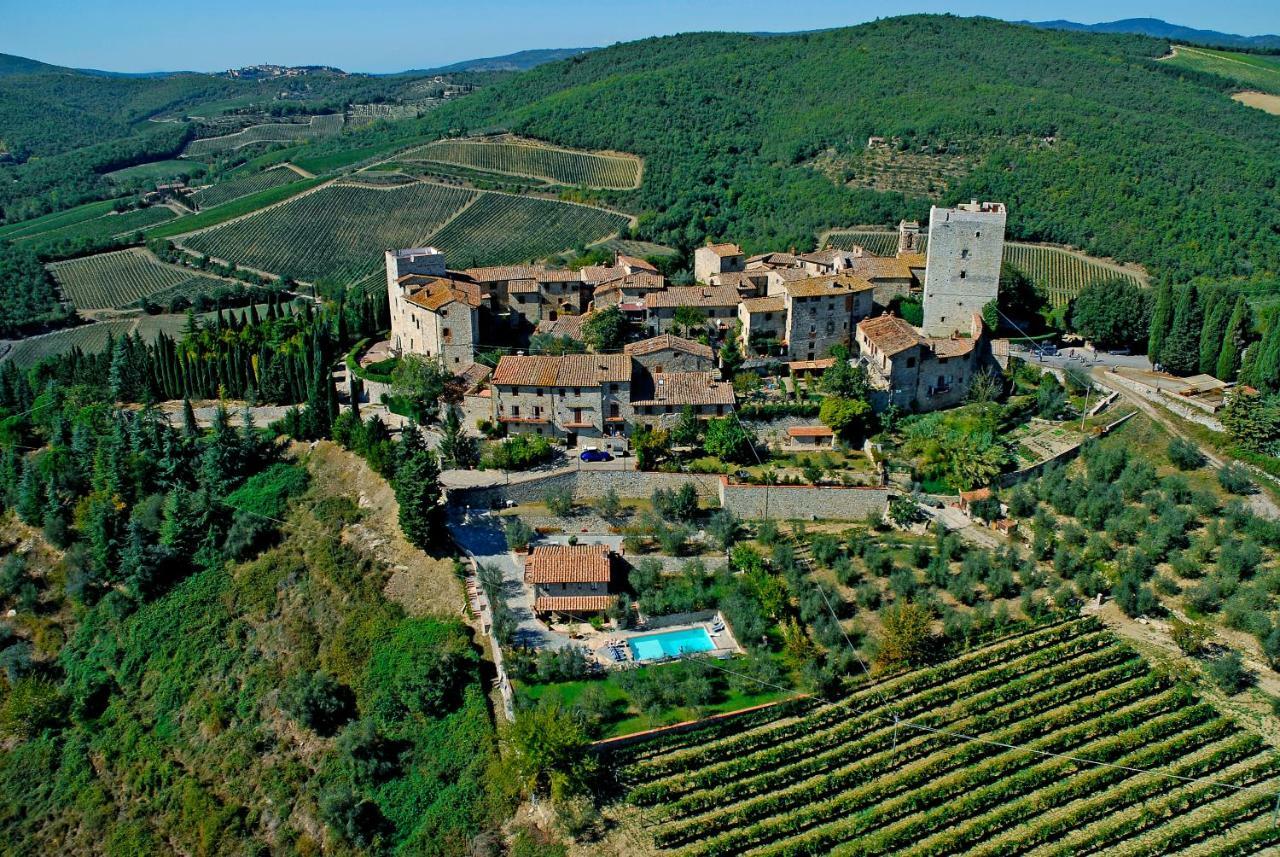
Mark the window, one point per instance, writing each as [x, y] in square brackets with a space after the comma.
[964, 253]
[962, 273]
[911, 362]
[577, 391]
[447, 333]
[613, 388]
[515, 410]
[613, 410]
[537, 411]
[538, 392]
[658, 368]
[977, 235]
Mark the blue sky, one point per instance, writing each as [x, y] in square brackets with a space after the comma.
[392, 35]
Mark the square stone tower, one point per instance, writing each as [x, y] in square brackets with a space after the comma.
[962, 269]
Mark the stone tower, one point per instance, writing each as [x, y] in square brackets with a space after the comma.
[426, 261]
[962, 269]
[908, 236]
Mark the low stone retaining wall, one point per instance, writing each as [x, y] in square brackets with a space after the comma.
[803, 502]
[586, 485]
[1173, 403]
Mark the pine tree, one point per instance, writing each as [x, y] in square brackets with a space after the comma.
[29, 505]
[1234, 341]
[1180, 352]
[1161, 321]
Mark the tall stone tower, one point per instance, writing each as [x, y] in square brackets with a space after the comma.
[426, 261]
[962, 269]
[908, 236]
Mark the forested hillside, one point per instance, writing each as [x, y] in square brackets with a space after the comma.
[1148, 163]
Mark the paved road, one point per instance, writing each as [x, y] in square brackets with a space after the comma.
[479, 535]
[1084, 358]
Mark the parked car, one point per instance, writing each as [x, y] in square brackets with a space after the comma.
[593, 454]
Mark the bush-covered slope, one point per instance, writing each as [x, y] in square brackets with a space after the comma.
[1148, 164]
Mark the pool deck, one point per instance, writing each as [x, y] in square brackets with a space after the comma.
[726, 645]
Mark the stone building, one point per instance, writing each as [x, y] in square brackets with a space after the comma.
[717, 259]
[570, 579]
[566, 397]
[670, 353]
[717, 304]
[822, 311]
[433, 312]
[661, 397]
[764, 324]
[962, 271]
[529, 294]
[919, 373]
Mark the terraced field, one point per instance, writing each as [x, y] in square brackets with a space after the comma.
[123, 278]
[1060, 274]
[275, 132]
[501, 229]
[982, 755]
[525, 158]
[337, 232]
[340, 231]
[236, 188]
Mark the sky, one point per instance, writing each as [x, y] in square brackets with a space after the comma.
[394, 35]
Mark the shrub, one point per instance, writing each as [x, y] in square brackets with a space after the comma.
[518, 534]
[1190, 637]
[1228, 672]
[680, 504]
[1234, 479]
[1184, 454]
[724, 527]
[610, 504]
[559, 501]
[317, 701]
[521, 452]
[420, 668]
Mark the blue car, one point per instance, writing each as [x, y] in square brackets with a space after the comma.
[593, 454]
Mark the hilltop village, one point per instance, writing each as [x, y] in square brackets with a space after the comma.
[793, 311]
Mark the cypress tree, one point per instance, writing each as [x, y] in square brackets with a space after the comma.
[1264, 368]
[1180, 352]
[1234, 341]
[1216, 313]
[1161, 321]
[190, 428]
[29, 505]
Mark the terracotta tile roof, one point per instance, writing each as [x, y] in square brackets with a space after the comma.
[600, 273]
[522, 287]
[667, 341]
[474, 375]
[565, 325]
[740, 279]
[785, 259]
[810, 431]
[684, 388]
[568, 564]
[569, 370]
[635, 262]
[498, 273]
[880, 267]
[777, 303]
[951, 347]
[723, 250]
[639, 281]
[830, 285]
[697, 296]
[889, 334]
[573, 603]
[441, 292]
[811, 365]
[912, 260]
[788, 275]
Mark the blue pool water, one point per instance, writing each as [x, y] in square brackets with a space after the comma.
[670, 644]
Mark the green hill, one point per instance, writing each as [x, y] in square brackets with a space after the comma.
[1147, 163]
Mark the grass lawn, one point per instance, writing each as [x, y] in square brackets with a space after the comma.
[629, 719]
[58, 219]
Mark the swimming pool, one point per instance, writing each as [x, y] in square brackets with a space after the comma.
[670, 644]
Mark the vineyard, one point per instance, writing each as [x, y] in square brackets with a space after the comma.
[338, 232]
[500, 229]
[236, 188]
[57, 220]
[98, 228]
[275, 132]
[1059, 274]
[921, 764]
[520, 158]
[117, 280]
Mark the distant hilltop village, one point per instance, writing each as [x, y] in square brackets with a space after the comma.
[782, 307]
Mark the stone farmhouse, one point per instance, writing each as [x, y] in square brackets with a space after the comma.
[717, 259]
[668, 353]
[916, 372]
[570, 579]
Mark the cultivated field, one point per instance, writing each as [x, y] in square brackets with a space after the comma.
[155, 171]
[57, 220]
[1060, 274]
[338, 232]
[119, 279]
[1261, 100]
[888, 169]
[236, 188]
[99, 228]
[1256, 71]
[501, 229]
[275, 132]
[525, 158]
[886, 771]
